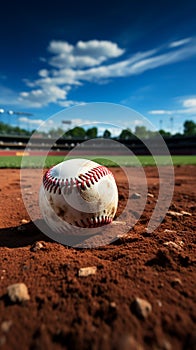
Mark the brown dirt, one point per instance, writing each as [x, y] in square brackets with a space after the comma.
[66, 311]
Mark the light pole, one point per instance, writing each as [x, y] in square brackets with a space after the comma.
[172, 124]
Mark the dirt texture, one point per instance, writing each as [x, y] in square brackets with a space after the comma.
[140, 293]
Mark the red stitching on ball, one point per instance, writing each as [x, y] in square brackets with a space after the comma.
[84, 181]
[93, 222]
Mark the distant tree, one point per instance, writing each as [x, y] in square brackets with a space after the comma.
[164, 133]
[12, 130]
[141, 131]
[77, 132]
[189, 128]
[126, 134]
[54, 133]
[107, 134]
[91, 133]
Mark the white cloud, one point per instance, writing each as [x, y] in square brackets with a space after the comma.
[159, 112]
[188, 106]
[68, 103]
[179, 42]
[83, 54]
[63, 60]
[89, 61]
[190, 102]
[59, 47]
[31, 121]
[42, 97]
[96, 48]
[43, 73]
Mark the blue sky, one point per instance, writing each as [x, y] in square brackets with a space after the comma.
[139, 54]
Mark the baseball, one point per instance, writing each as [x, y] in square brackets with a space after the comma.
[78, 193]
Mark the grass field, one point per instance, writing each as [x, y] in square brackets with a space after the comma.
[39, 161]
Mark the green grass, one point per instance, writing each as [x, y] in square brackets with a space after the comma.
[38, 161]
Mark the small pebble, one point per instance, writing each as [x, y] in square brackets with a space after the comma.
[87, 271]
[24, 221]
[150, 195]
[119, 223]
[142, 308]
[136, 195]
[174, 213]
[181, 243]
[113, 305]
[173, 245]
[176, 281]
[159, 303]
[3, 272]
[169, 231]
[185, 213]
[18, 292]
[6, 325]
[37, 246]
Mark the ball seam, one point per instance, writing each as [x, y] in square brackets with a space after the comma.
[83, 181]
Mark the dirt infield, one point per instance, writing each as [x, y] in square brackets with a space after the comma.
[142, 292]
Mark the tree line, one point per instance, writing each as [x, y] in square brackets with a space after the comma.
[78, 132]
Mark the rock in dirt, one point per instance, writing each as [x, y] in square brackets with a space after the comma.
[172, 245]
[150, 195]
[186, 213]
[136, 195]
[141, 307]
[113, 305]
[24, 221]
[174, 213]
[159, 303]
[177, 214]
[169, 231]
[87, 271]
[6, 325]
[176, 282]
[18, 292]
[37, 246]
